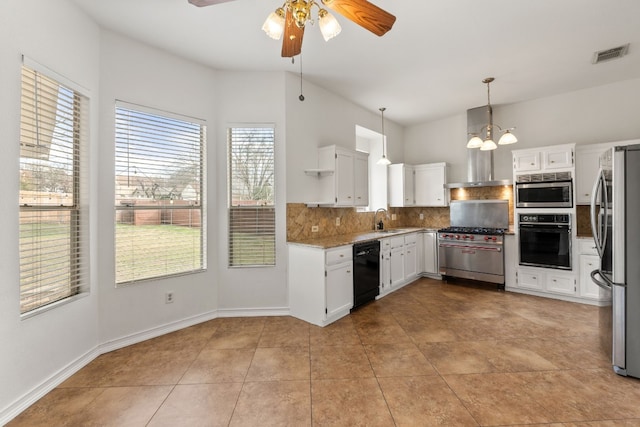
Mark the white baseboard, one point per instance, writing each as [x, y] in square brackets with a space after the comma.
[29, 398]
[156, 332]
[253, 312]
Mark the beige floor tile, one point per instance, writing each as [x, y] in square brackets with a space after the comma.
[242, 337]
[285, 332]
[341, 332]
[280, 403]
[338, 362]
[497, 399]
[424, 400]
[126, 368]
[219, 366]
[392, 360]
[279, 364]
[122, 406]
[352, 402]
[57, 408]
[461, 357]
[206, 405]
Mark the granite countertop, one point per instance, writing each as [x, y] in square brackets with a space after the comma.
[348, 239]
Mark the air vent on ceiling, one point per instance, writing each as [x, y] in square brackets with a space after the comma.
[608, 54]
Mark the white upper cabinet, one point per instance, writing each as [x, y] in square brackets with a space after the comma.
[543, 159]
[401, 189]
[343, 177]
[429, 185]
[361, 179]
[418, 185]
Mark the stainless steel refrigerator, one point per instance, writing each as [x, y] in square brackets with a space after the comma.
[615, 221]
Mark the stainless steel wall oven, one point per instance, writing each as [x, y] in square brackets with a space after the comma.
[545, 240]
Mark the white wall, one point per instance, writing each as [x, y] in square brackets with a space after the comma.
[35, 351]
[246, 97]
[599, 114]
[325, 118]
[136, 73]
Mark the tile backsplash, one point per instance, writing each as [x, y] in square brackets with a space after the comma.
[301, 219]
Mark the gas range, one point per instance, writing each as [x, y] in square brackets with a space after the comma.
[470, 234]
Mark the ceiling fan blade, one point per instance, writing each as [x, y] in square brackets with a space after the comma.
[363, 13]
[292, 38]
[202, 3]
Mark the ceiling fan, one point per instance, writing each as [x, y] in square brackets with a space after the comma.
[294, 14]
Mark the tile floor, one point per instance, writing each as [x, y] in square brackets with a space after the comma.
[429, 354]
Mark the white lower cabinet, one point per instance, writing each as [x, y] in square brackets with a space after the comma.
[399, 261]
[589, 261]
[546, 280]
[510, 260]
[430, 253]
[320, 283]
[410, 257]
[397, 266]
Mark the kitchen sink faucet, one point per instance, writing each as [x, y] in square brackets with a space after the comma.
[379, 226]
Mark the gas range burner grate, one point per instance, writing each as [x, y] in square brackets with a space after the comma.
[472, 230]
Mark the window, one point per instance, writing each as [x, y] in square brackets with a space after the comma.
[159, 209]
[53, 238]
[251, 196]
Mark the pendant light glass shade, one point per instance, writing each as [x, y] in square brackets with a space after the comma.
[507, 138]
[383, 161]
[475, 142]
[488, 144]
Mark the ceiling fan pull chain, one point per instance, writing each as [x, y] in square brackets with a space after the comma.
[301, 97]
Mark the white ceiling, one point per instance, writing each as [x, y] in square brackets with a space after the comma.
[429, 66]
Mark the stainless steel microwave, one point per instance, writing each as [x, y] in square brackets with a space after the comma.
[546, 194]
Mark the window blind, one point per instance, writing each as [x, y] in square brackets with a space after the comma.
[53, 236]
[159, 209]
[251, 196]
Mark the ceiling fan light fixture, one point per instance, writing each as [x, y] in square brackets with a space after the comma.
[329, 25]
[274, 24]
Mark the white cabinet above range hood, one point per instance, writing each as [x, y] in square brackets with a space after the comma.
[479, 163]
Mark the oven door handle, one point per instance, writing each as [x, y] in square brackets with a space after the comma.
[479, 248]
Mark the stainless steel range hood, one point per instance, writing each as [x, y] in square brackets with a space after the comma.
[479, 163]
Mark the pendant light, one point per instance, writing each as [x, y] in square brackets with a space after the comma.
[488, 144]
[383, 160]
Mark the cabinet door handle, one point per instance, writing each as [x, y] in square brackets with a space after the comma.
[348, 271]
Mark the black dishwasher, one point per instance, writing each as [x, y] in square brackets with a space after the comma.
[366, 272]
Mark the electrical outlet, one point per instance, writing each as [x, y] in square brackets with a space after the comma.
[314, 228]
[421, 216]
[338, 221]
[168, 297]
[393, 217]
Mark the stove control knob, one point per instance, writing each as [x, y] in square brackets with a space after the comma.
[494, 238]
[486, 237]
[472, 237]
[457, 237]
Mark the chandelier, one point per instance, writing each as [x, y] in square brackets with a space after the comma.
[301, 13]
[488, 144]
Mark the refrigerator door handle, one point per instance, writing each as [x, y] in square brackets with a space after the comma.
[594, 196]
[603, 284]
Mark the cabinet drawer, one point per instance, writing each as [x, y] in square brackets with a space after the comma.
[385, 245]
[396, 242]
[587, 247]
[528, 279]
[410, 238]
[561, 284]
[338, 255]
